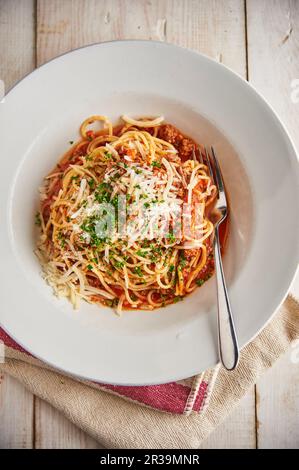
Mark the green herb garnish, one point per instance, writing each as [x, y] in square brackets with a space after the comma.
[103, 192]
[91, 183]
[177, 299]
[171, 237]
[61, 238]
[111, 303]
[119, 264]
[141, 253]
[38, 219]
[137, 270]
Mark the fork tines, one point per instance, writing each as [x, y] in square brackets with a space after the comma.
[210, 160]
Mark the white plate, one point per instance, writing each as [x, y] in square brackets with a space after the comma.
[208, 102]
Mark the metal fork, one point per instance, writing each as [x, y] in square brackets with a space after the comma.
[227, 339]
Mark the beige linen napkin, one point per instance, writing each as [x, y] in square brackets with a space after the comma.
[118, 423]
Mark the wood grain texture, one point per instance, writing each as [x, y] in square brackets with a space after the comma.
[273, 50]
[54, 431]
[278, 404]
[16, 415]
[17, 58]
[214, 27]
[17, 39]
[238, 429]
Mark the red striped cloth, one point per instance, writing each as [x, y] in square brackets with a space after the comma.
[180, 397]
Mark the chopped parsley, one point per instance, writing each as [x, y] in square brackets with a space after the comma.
[200, 282]
[111, 303]
[177, 299]
[156, 250]
[103, 192]
[155, 254]
[137, 270]
[114, 201]
[61, 238]
[171, 237]
[141, 253]
[38, 219]
[89, 267]
[119, 264]
[91, 183]
[156, 164]
[171, 268]
[89, 226]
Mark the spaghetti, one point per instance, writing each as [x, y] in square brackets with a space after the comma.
[123, 216]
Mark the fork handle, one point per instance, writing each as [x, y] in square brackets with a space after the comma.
[227, 339]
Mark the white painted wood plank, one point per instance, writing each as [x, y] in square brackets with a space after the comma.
[54, 431]
[16, 415]
[273, 48]
[17, 58]
[278, 404]
[17, 40]
[237, 431]
[215, 28]
[273, 51]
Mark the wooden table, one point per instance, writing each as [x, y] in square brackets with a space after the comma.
[259, 39]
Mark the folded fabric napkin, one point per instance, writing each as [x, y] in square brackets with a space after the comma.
[117, 420]
[180, 397]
